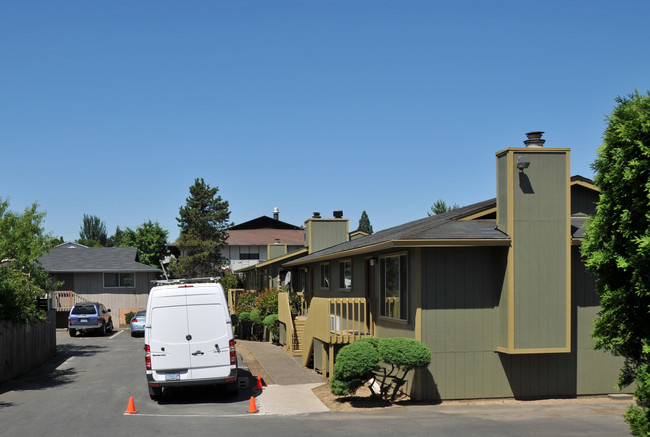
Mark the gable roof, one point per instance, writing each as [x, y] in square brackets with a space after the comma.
[439, 230]
[93, 260]
[262, 223]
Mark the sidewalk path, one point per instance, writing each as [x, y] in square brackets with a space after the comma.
[288, 385]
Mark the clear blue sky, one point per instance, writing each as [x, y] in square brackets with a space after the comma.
[113, 108]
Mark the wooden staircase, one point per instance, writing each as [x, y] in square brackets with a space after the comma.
[299, 328]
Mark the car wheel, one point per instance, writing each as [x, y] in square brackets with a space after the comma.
[102, 330]
[132, 334]
[155, 393]
[110, 325]
[72, 332]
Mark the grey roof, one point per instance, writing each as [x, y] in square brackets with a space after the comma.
[93, 259]
[578, 226]
[438, 229]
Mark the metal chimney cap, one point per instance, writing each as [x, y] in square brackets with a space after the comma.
[534, 139]
[316, 214]
[338, 214]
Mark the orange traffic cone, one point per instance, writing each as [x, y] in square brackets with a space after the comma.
[252, 408]
[130, 409]
[259, 385]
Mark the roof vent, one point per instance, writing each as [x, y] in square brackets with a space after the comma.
[316, 215]
[276, 213]
[338, 214]
[534, 139]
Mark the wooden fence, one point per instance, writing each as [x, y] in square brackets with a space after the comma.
[24, 347]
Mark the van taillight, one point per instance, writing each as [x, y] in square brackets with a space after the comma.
[233, 353]
[147, 356]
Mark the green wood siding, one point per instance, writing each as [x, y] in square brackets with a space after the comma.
[323, 233]
[461, 290]
[583, 200]
[540, 251]
[597, 371]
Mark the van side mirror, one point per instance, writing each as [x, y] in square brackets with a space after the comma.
[234, 319]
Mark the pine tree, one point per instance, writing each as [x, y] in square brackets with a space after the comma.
[203, 221]
[364, 223]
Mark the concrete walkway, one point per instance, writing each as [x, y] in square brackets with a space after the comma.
[287, 384]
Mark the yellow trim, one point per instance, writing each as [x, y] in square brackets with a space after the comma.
[585, 185]
[548, 350]
[532, 150]
[510, 228]
[404, 244]
[568, 251]
[479, 214]
[418, 294]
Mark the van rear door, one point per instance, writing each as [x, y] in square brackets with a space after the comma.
[168, 334]
[208, 324]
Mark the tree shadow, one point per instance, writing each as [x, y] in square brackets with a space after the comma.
[51, 374]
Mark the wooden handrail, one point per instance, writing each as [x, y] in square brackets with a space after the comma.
[335, 321]
[284, 316]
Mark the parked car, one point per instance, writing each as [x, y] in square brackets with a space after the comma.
[89, 316]
[137, 323]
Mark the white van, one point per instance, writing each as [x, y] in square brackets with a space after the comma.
[188, 338]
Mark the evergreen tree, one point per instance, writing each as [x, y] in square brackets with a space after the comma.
[364, 223]
[92, 232]
[616, 249]
[439, 206]
[203, 221]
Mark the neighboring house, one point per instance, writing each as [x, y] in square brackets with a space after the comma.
[496, 290]
[317, 234]
[261, 239]
[110, 275]
[257, 240]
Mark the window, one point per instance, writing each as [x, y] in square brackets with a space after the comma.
[325, 276]
[249, 256]
[345, 274]
[119, 280]
[393, 287]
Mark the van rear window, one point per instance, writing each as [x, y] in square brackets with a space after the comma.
[84, 309]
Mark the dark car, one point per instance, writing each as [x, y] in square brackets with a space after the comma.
[89, 317]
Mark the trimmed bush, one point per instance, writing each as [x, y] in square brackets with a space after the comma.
[271, 324]
[355, 364]
[361, 361]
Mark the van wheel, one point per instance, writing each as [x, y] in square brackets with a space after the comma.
[155, 393]
[72, 332]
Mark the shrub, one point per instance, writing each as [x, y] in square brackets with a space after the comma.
[355, 364]
[128, 316]
[245, 303]
[402, 355]
[270, 322]
[230, 281]
[359, 362]
[267, 303]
